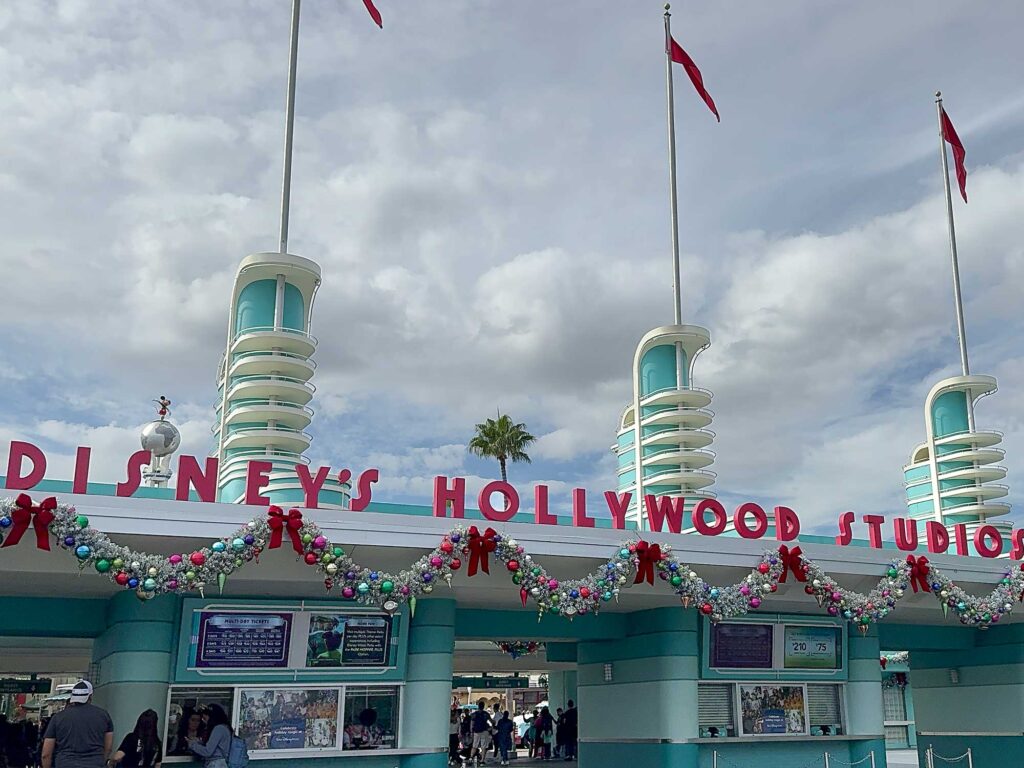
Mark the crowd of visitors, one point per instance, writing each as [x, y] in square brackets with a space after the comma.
[474, 736]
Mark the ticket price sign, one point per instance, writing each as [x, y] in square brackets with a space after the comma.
[812, 648]
[243, 640]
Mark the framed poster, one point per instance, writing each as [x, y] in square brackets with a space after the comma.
[772, 710]
[812, 647]
[274, 719]
[237, 640]
[742, 646]
[343, 640]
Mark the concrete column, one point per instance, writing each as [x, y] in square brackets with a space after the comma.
[864, 715]
[972, 697]
[561, 688]
[428, 682]
[135, 656]
[646, 712]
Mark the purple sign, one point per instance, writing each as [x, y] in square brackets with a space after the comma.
[742, 646]
[243, 640]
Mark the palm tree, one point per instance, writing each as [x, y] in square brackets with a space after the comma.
[502, 439]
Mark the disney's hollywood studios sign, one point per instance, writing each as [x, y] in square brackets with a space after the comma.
[26, 468]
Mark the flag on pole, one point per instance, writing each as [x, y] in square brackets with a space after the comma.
[949, 134]
[679, 56]
[374, 13]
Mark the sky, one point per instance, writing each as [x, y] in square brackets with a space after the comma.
[485, 185]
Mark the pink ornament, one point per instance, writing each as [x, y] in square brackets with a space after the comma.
[319, 542]
[197, 558]
[836, 597]
[404, 589]
[172, 584]
[348, 592]
[436, 561]
[552, 583]
[175, 559]
[755, 602]
[744, 590]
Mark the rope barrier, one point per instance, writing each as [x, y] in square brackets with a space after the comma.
[932, 754]
[870, 756]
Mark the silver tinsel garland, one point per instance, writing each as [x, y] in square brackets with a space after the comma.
[150, 575]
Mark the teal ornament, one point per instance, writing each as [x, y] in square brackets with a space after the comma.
[606, 596]
[363, 588]
[149, 585]
[83, 552]
[623, 553]
[238, 545]
[219, 546]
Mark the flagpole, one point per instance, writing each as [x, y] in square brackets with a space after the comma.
[672, 170]
[289, 127]
[957, 296]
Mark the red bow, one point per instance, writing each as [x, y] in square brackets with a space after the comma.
[883, 661]
[279, 521]
[792, 560]
[919, 572]
[647, 556]
[22, 515]
[479, 546]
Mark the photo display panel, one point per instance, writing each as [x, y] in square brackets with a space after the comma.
[742, 646]
[812, 647]
[343, 640]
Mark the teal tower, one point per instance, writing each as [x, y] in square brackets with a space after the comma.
[662, 441]
[264, 384]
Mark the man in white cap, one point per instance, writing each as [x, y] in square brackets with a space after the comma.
[81, 736]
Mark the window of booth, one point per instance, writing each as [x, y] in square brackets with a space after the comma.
[185, 708]
[770, 709]
[371, 717]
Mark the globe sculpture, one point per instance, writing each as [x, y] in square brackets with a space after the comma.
[161, 438]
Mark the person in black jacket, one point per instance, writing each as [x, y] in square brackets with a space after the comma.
[571, 726]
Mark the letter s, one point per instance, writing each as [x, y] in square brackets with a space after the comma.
[366, 479]
[845, 530]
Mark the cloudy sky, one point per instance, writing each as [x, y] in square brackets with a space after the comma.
[485, 186]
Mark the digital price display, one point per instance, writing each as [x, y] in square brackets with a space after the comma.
[812, 648]
[243, 640]
[742, 646]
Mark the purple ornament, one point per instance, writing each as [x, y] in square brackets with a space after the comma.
[350, 576]
[427, 576]
[833, 611]
[172, 584]
[69, 541]
[249, 539]
[454, 538]
[405, 589]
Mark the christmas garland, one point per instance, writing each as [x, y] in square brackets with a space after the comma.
[518, 648]
[635, 562]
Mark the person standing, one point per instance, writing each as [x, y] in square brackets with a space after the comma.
[80, 736]
[495, 718]
[481, 732]
[141, 748]
[504, 730]
[559, 731]
[453, 737]
[571, 728]
[218, 743]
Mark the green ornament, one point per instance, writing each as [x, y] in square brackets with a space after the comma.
[412, 605]
[387, 587]
[238, 562]
[516, 578]
[326, 557]
[190, 575]
[554, 599]
[892, 573]
[339, 552]
[102, 566]
[82, 521]
[307, 538]
[535, 571]
[117, 563]
[221, 578]
[676, 581]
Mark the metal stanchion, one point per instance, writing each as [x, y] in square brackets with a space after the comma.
[714, 759]
[826, 760]
[970, 758]
[872, 758]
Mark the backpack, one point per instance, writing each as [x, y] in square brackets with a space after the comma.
[238, 753]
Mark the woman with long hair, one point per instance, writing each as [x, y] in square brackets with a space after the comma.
[141, 748]
[218, 741]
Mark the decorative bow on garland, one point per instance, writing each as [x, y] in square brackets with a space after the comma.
[479, 547]
[647, 555]
[792, 560]
[278, 522]
[40, 517]
[919, 572]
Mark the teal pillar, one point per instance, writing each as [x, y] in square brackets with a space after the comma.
[864, 715]
[561, 688]
[134, 656]
[972, 697]
[645, 714]
[428, 683]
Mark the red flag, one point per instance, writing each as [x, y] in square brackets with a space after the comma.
[374, 13]
[679, 56]
[949, 134]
